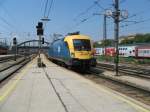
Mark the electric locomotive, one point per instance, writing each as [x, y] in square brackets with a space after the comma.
[74, 50]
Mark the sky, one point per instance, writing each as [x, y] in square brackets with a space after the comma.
[20, 17]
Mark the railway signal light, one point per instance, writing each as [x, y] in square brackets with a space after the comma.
[40, 32]
[15, 45]
[14, 41]
[39, 28]
[43, 40]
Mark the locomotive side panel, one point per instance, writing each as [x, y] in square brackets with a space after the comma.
[58, 50]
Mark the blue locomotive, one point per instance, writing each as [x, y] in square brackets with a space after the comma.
[74, 50]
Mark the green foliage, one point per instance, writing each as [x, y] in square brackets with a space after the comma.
[129, 60]
[139, 38]
[96, 44]
[127, 41]
[107, 42]
[105, 58]
[144, 61]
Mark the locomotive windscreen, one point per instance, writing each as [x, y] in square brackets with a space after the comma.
[81, 45]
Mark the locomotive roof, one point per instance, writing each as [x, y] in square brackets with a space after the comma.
[76, 37]
[73, 37]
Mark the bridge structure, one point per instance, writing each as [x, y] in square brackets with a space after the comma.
[31, 47]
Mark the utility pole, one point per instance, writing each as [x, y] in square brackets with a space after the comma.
[39, 46]
[105, 32]
[105, 15]
[116, 15]
[116, 33]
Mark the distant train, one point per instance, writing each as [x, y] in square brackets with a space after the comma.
[74, 50]
[3, 47]
[137, 51]
[3, 50]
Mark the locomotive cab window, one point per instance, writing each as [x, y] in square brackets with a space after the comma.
[66, 45]
[82, 45]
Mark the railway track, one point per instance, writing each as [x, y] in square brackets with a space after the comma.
[134, 92]
[8, 68]
[125, 70]
[9, 58]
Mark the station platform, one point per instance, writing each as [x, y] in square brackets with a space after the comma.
[2, 56]
[56, 89]
[130, 80]
[134, 81]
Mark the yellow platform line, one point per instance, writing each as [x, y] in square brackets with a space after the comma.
[12, 87]
[134, 105]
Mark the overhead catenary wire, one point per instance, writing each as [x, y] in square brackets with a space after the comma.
[45, 10]
[84, 20]
[122, 1]
[97, 3]
[5, 28]
[13, 23]
[131, 18]
[136, 22]
[81, 14]
[48, 7]
[87, 10]
[6, 22]
[10, 25]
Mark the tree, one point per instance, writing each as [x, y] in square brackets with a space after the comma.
[108, 42]
[96, 44]
[139, 38]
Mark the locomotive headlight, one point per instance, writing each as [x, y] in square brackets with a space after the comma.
[72, 55]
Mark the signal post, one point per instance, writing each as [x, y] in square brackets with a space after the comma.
[40, 34]
[15, 45]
